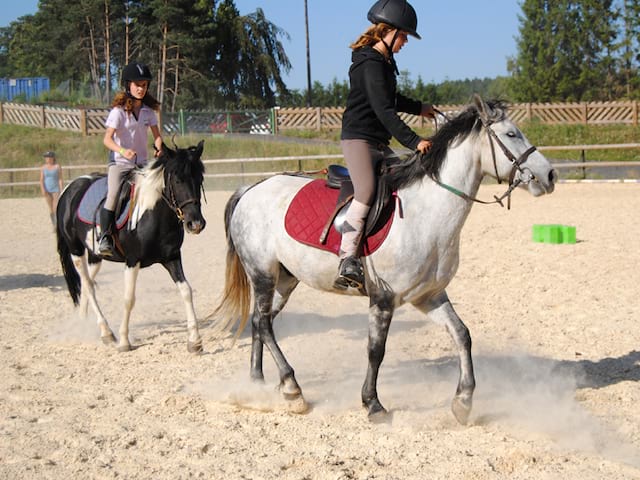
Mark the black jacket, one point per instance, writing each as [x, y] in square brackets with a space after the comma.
[373, 103]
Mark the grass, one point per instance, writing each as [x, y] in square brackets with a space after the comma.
[23, 147]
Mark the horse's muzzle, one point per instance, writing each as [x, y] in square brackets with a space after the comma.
[195, 226]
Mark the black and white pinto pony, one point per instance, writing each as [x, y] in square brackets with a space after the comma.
[415, 263]
[167, 202]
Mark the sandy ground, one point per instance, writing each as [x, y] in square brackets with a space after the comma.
[556, 350]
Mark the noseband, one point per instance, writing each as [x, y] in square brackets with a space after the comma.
[169, 197]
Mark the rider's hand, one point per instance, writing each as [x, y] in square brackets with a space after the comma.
[427, 110]
[424, 146]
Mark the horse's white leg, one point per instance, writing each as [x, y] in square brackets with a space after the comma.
[88, 294]
[194, 341]
[286, 285]
[441, 311]
[381, 305]
[130, 277]
[94, 268]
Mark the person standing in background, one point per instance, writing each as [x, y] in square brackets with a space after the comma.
[51, 183]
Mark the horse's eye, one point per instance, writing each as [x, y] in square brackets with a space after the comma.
[511, 134]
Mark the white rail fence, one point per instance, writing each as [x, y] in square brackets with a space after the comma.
[241, 170]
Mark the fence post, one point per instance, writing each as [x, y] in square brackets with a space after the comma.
[634, 113]
[43, 118]
[181, 125]
[585, 118]
[319, 118]
[83, 122]
[528, 110]
[1, 113]
[273, 118]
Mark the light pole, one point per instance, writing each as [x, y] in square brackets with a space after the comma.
[306, 24]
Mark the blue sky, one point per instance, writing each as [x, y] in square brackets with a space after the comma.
[460, 38]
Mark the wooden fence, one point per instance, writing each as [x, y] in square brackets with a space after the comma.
[90, 121]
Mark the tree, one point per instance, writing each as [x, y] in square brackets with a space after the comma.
[566, 50]
[630, 57]
[249, 59]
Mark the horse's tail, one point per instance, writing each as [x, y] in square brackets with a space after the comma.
[68, 268]
[236, 297]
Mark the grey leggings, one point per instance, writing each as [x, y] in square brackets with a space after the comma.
[361, 158]
[114, 178]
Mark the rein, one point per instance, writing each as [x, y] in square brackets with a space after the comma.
[525, 177]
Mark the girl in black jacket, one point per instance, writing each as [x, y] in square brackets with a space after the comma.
[371, 119]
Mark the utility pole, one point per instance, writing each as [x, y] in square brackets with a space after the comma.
[306, 24]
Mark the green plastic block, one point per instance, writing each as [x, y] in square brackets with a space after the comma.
[568, 234]
[554, 234]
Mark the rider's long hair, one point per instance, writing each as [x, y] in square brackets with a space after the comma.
[373, 35]
[124, 100]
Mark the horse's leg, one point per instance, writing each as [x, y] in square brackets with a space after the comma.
[286, 284]
[174, 267]
[130, 278]
[381, 306]
[89, 295]
[441, 311]
[264, 292]
[94, 268]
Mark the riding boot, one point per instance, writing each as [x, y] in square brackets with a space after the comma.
[107, 219]
[350, 271]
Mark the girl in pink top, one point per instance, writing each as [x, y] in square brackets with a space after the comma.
[133, 112]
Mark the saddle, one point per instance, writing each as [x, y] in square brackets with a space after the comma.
[338, 177]
[321, 204]
[95, 196]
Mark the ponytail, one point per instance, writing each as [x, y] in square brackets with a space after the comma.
[372, 35]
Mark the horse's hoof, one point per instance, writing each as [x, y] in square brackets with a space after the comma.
[378, 414]
[381, 417]
[461, 409]
[297, 405]
[108, 339]
[124, 348]
[195, 347]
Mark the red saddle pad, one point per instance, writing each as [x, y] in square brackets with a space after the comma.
[309, 212]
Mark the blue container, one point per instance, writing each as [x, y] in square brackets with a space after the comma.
[30, 87]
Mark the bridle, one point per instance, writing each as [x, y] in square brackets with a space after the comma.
[169, 196]
[525, 177]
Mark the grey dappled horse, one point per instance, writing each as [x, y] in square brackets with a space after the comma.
[415, 263]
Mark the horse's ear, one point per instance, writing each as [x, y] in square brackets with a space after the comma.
[200, 147]
[484, 111]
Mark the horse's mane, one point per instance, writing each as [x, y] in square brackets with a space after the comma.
[181, 163]
[456, 129]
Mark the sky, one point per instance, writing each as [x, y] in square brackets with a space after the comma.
[461, 39]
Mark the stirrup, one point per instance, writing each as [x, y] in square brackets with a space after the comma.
[350, 274]
[105, 248]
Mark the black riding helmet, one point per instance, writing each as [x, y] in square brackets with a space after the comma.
[134, 72]
[397, 13]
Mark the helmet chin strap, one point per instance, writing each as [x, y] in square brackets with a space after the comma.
[389, 48]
